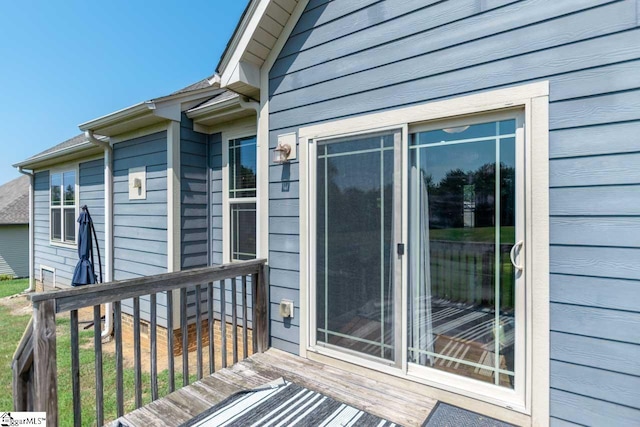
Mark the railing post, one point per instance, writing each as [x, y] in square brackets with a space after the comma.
[260, 313]
[44, 360]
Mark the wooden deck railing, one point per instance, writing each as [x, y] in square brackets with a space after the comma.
[35, 362]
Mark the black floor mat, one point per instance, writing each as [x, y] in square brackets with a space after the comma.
[445, 415]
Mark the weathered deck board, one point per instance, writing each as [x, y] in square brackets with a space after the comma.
[400, 405]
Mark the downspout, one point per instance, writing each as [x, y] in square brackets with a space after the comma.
[108, 224]
[32, 279]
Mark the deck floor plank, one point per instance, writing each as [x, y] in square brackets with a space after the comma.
[398, 404]
[376, 401]
[359, 384]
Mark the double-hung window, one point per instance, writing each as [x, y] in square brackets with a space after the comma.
[242, 198]
[63, 207]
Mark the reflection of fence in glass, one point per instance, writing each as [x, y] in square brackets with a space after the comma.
[463, 272]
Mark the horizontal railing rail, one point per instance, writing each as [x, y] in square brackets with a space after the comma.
[219, 306]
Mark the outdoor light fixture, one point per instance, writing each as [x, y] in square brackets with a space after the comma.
[286, 148]
[281, 153]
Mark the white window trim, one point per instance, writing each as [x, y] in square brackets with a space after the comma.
[50, 270]
[241, 131]
[75, 168]
[533, 100]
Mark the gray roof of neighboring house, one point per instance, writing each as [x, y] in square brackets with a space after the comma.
[14, 201]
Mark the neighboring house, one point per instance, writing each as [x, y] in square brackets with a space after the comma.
[14, 228]
[459, 206]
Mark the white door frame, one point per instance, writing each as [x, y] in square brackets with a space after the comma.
[533, 100]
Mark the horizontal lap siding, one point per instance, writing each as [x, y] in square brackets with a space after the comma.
[14, 250]
[193, 196]
[215, 188]
[90, 193]
[350, 58]
[140, 226]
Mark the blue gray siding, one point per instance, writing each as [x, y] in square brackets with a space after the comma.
[14, 250]
[91, 193]
[193, 196]
[347, 58]
[140, 226]
[215, 165]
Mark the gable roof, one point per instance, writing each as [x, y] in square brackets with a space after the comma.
[14, 201]
[257, 34]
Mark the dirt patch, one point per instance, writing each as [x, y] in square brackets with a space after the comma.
[19, 305]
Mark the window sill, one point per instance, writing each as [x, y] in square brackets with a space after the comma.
[63, 245]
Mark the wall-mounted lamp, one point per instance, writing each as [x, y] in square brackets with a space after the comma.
[281, 153]
[286, 148]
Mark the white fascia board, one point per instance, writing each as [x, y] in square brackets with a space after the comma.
[167, 107]
[55, 157]
[136, 110]
[230, 69]
[198, 112]
[244, 72]
[243, 36]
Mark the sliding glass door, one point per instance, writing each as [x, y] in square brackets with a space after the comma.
[446, 303]
[355, 269]
[463, 231]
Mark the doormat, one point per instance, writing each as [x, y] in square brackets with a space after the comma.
[444, 415]
[282, 403]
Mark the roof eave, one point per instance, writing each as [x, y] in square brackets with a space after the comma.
[53, 158]
[198, 112]
[142, 114]
[241, 26]
[140, 109]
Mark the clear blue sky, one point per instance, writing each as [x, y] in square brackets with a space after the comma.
[65, 62]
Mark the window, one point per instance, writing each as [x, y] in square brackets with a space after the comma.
[242, 198]
[63, 207]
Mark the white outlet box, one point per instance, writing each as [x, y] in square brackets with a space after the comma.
[286, 308]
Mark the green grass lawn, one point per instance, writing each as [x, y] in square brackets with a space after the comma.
[12, 287]
[476, 234]
[12, 328]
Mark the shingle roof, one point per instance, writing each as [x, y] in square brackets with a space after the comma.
[202, 84]
[227, 94]
[76, 140]
[14, 201]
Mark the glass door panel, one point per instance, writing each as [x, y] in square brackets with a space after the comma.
[355, 283]
[462, 218]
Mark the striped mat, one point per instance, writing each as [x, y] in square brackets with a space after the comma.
[281, 403]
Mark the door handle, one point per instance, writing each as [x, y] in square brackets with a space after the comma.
[512, 255]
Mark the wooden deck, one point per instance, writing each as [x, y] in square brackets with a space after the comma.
[400, 405]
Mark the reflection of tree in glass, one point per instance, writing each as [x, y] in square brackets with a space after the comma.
[246, 178]
[447, 197]
[55, 193]
[68, 193]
